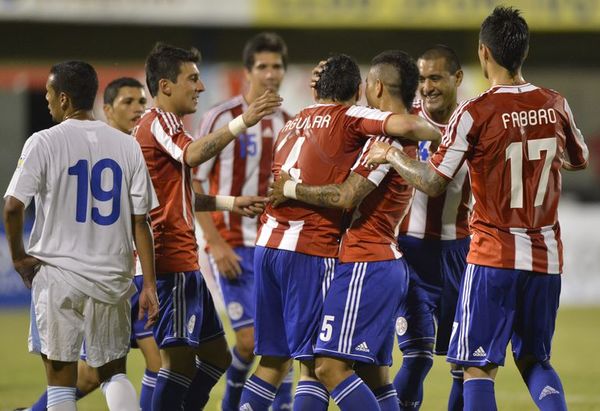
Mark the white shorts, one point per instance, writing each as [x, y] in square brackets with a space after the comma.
[61, 317]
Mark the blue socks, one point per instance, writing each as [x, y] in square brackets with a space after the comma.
[170, 391]
[352, 394]
[545, 387]
[455, 400]
[283, 398]
[205, 379]
[410, 377]
[148, 384]
[478, 394]
[387, 398]
[311, 396]
[257, 395]
[42, 403]
[236, 376]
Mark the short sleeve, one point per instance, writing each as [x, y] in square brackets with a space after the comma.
[377, 174]
[172, 138]
[363, 122]
[30, 173]
[142, 195]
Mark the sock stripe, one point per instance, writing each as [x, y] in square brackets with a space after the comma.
[479, 379]
[260, 391]
[234, 384]
[238, 363]
[175, 377]
[211, 371]
[289, 377]
[457, 374]
[314, 391]
[385, 395]
[149, 381]
[58, 395]
[351, 387]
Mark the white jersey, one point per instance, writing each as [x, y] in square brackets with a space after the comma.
[87, 179]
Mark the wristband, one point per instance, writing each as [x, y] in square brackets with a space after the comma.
[237, 126]
[224, 203]
[289, 189]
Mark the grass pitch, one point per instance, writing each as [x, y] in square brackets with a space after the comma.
[574, 357]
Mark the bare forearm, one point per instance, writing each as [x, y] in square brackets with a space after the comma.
[413, 128]
[13, 223]
[322, 196]
[144, 245]
[207, 147]
[419, 175]
[204, 202]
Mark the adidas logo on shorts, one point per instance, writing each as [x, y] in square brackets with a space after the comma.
[246, 407]
[548, 390]
[480, 352]
[362, 347]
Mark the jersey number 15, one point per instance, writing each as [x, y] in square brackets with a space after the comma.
[81, 171]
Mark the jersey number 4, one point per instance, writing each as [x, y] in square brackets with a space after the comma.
[514, 153]
[81, 171]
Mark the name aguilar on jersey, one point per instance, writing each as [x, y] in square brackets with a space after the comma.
[308, 122]
[528, 118]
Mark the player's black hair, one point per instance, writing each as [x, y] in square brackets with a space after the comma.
[112, 90]
[506, 34]
[445, 52]
[164, 62]
[266, 41]
[405, 84]
[339, 80]
[78, 80]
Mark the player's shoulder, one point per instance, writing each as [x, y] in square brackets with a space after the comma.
[224, 108]
[156, 120]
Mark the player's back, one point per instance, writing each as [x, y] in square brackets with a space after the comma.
[83, 215]
[316, 147]
[516, 138]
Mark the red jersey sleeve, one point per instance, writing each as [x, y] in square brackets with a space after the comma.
[575, 146]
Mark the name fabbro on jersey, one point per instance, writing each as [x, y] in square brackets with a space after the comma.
[529, 118]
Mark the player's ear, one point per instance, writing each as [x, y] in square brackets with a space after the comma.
[379, 88]
[459, 77]
[164, 86]
[64, 100]
[107, 108]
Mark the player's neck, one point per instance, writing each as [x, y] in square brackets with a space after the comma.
[499, 76]
[392, 104]
[251, 95]
[78, 114]
[165, 105]
[443, 115]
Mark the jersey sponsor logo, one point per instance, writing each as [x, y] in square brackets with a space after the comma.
[21, 161]
[235, 310]
[362, 347]
[548, 390]
[401, 326]
[191, 323]
[480, 352]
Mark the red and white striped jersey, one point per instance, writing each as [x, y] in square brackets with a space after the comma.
[445, 217]
[243, 167]
[316, 147]
[164, 141]
[372, 232]
[514, 139]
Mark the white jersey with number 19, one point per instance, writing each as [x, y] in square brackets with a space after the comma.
[87, 179]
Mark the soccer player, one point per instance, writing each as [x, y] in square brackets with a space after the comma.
[297, 243]
[515, 138]
[92, 194]
[188, 326]
[435, 239]
[371, 269]
[243, 167]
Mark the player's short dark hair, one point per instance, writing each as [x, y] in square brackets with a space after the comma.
[506, 34]
[442, 51]
[407, 81]
[265, 41]
[78, 80]
[339, 80]
[164, 61]
[112, 90]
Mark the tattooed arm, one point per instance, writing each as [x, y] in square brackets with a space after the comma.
[346, 195]
[420, 175]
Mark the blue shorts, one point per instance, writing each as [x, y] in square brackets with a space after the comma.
[438, 268]
[187, 313]
[499, 305]
[238, 294]
[289, 291]
[137, 326]
[359, 311]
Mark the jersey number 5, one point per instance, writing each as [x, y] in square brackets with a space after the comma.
[80, 170]
[514, 153]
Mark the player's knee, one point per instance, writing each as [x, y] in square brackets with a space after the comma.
[331, 371]
[526, 363]
[106, 371]
[244, 343]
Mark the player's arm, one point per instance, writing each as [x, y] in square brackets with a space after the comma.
[412, 127]
[210, 145]
[144, 245]
[345, 195]
[25, 264]
[420, 175]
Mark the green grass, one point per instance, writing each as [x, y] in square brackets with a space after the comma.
[574, 357]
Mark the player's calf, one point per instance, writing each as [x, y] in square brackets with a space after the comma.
[543, 383]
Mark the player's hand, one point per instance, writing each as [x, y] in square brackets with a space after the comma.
[148, 305]
[377, 154]
[249, 206]
[276, 196]
[316, 73]
[261, 107]
[27, 267]
[227, 261]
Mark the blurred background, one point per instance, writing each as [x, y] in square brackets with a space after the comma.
[116, 35]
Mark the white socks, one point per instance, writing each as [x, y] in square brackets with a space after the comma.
[120, 394]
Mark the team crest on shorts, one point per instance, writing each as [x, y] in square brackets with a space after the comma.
[401, 326]
[235, 310]
[191, 323]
